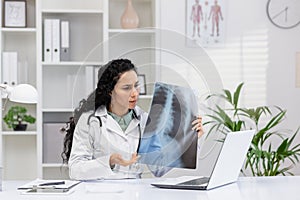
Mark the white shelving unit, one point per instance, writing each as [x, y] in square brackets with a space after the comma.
[21, 133]
[96, 37]
[61, 84]
[20, 148]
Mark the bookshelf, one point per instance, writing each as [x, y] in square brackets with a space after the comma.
[60, 83]
[20, 148]
[95, 37]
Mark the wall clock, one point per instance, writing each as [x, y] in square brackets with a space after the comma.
[284, 14]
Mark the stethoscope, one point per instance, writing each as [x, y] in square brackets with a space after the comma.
[134, 116]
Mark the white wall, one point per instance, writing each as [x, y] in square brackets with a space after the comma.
[255, 52]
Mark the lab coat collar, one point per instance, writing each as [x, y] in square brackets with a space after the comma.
[133, 124]
[135, 121]
[114, 126]
[107, 119]
[101, 112]
[138, 112]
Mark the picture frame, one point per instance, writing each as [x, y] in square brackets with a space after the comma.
[15, 13]
[142, 82]
[206, 23]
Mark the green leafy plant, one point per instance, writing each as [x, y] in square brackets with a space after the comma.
[17, 115]
[263, 158]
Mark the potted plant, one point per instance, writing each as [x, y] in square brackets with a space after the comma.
[16, 116]
[264, 158]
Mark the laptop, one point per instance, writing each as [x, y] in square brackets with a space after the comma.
[226, 169]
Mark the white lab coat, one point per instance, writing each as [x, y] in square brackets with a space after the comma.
[93, 145]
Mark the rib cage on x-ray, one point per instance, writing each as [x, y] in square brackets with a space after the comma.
[168, 139]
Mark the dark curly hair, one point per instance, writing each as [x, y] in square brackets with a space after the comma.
[108, 76]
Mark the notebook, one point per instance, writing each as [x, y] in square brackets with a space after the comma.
[168, 139]
[226, 169]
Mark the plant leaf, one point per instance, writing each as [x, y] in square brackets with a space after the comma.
[236, 95]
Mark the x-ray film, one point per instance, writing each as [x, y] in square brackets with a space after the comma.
[168, 139]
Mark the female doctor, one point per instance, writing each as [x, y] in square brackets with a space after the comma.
[104, 142]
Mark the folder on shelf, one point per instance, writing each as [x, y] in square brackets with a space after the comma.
[65, 41]
[96, 69]
[51, 40]
[13, 68]
[5, 68]
[23, 72]
[10, 68]
[89, 80]
[48, 40]
[55, 40]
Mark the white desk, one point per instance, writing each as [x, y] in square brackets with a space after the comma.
[281, 188]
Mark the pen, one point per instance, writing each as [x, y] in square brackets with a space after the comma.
[52, 183]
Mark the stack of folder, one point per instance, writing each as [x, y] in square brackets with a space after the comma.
[56, 40]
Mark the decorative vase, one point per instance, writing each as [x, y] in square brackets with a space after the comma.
[129, 19]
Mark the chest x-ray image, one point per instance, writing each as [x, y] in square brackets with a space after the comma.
[168, 139]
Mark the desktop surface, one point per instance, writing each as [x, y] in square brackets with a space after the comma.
[275, 188]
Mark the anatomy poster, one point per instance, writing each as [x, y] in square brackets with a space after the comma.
[205, 22]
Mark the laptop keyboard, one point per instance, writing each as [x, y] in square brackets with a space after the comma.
[198, 181]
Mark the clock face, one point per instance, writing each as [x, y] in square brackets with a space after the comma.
[284, 13]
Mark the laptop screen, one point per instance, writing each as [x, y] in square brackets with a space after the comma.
[168, 139]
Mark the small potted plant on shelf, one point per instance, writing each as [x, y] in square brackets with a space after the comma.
[16, 116]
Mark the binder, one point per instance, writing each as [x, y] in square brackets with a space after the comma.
[55, 40]
[23, 72]
[10, 68]
[13, 68]
[96, 70]
[89, 80]
[65, 41]
[48, 40]
[5, 68]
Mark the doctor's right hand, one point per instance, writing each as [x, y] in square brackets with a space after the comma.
[116, 158]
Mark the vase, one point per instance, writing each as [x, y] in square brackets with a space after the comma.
[129, 19]
[20, 127]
